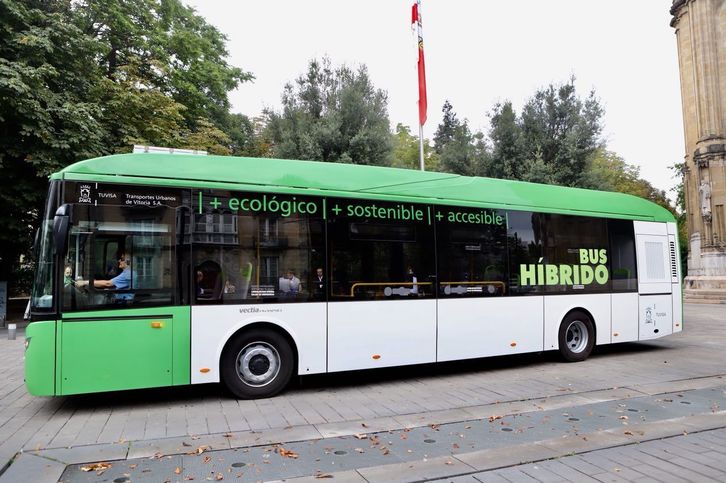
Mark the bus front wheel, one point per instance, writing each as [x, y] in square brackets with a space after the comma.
[576, 337]
[257, 364]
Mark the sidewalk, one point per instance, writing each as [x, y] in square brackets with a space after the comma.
[49, 437]
[524, 433]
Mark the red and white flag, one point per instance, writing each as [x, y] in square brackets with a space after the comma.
[416, 24]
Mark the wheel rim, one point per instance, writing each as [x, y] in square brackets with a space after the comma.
[577, 336]
[258, 364]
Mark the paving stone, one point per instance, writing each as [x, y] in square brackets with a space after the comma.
[86, 454]
[28, 467]
[415, 470]
[177, 445]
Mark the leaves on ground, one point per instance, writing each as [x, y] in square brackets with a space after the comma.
[99, 468]
[286, 453]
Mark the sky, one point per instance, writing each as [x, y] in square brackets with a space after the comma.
[478, 53]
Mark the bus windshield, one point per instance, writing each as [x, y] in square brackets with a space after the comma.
[42, 297]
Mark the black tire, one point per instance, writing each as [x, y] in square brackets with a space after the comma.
[576, 337]
[266, 362]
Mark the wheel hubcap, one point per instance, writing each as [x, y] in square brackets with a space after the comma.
[577, 336]
[258, 364]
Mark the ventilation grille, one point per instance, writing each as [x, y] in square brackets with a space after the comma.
[655, 266]
[674, 265]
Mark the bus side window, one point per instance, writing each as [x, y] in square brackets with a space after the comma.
[380, 251]
[263, 255]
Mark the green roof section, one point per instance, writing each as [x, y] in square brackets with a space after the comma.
[337, 178]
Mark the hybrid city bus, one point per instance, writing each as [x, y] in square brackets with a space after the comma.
[169, 269]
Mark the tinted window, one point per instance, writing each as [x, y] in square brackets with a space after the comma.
[622, 256]
[254, 248]
[576, 254]
[380, 250]
[472, 252]
[525, 237]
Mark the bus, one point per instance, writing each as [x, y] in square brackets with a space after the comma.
[159, 270]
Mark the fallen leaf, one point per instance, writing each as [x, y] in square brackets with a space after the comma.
[467, 427]
[449, 462]
[494, 418]
[360, 436]
[287, 453]
[96, 467]
[455, 446]
[227, 435]
[435, 427]
[202, 449]
[133, 466]
[320, 476]
[360, 450]
[219, 477]
[364, 425]
[177, 470]
[628, 433]
[184, 443]
[623, 417]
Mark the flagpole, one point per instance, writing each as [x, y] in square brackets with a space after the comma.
[420, 124]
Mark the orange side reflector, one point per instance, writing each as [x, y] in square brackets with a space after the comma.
[204, 370]
[157, 324]
[376, 356]
[513, 344]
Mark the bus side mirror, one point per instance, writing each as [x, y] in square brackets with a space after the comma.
[61, 224]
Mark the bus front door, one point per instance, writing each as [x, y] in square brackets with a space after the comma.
[123, 349]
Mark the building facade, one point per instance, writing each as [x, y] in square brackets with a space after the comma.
[700, 27]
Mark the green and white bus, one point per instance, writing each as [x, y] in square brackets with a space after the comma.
[168, 269]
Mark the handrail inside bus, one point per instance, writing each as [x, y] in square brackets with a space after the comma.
[480, 282]
[385, 284]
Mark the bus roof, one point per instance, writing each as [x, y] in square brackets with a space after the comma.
[357, 180]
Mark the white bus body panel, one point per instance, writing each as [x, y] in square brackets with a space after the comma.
[657, 272]
[653, 255]
[655, 316]
[481, 327]
[213, 325]
[399, 332]
[625, 317]
[557, 306]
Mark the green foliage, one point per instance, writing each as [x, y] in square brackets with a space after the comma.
[84, 79]
[332, 114]
[445, 132]
[406, 151]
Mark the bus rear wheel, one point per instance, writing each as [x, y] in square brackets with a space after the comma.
[576, 337]
[257, 364]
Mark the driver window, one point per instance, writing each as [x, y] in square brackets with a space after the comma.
[119, 256]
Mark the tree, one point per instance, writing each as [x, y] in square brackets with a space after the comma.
[46, 73]
[505, 133]
[332, 114]
[84, 79]
[406, 151]
[446, 131]
[560, 132]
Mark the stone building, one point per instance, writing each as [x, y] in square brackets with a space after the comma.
[700, 27]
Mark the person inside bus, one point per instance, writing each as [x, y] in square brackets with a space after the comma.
[319, 284]
[289, 284]
[122, 281]
[411, 278]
